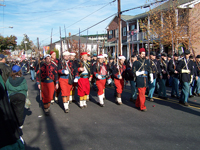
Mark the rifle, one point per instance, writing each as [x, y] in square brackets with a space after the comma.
[173, 51]
[193, 52]
[66, 41]
[39, 70]
[50, 40]
[103, 45]
[97, 44]
[184, 59]
[115, 54]
[129, 45]
[60, 45]
[118, 59]
[79, 41]
[97, 54]
[86, 42]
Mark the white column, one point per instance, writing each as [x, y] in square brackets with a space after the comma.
[128, 38]
[138, 40]
[161, 45]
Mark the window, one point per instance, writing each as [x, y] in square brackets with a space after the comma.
[124, 31]
[132, 27]
[110, 34]
[116, 33]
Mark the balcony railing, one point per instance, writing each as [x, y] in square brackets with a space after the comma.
[143, 36]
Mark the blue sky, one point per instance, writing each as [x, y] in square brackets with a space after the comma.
[36, 18]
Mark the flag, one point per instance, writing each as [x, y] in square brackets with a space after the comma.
[44, 51]
[23, 57]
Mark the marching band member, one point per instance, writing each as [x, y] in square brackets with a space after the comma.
[141, 69]
[119, 75]
[66, 71]
[75, 65]
[56, 62]
[84, 80]
[100, 71]
[48, 75]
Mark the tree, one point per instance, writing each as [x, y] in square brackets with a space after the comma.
[26, 43]
[74, 47]
[8, 42]
[167, 25]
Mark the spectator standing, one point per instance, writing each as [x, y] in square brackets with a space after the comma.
[17, 91]
[4, 68]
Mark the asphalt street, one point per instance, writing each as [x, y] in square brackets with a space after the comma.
[165, 126]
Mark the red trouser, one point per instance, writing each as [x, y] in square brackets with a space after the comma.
[140, 101]
[101, 86]
[83, 87]
[119, 83]
[65, 87]
[47, 91]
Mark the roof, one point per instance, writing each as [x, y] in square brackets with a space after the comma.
[76, 38]
[170, 2]
[162, 6]
[138, 16]
[123, 17]
[92, 35]
[126, 17]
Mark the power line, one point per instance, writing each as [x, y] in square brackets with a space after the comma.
[56, 13]
[87, 16]
[55, 10]
[142, 6]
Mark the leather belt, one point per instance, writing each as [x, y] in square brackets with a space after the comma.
[83, 76]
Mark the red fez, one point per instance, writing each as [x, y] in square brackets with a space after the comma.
[52, 52]
[142, 50]
[84, 53]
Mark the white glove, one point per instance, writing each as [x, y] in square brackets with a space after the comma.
[191, 79]
[109, 81]
[185, 71]
[66, 72]
[75, 80]
[99, 77]
[138, 73]
[151, 78]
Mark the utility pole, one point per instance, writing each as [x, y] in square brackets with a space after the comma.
[119, 25]
[51, 39]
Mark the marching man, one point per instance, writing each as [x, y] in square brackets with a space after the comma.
[84, 80]
[66, 71]
[56, 62]
[119, 74]
[197, 70]
[141, 69]
[48, 75]
[100, 71]
[75, 65]
[185, 67]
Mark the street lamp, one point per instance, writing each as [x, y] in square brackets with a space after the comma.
[7, 27]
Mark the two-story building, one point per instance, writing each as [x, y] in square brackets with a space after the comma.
[133, 38]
